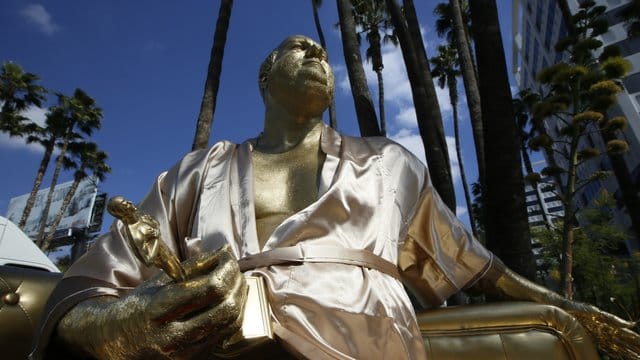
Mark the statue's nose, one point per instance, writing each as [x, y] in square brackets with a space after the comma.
[315, 51]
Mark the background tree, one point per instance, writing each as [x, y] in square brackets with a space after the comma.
[425, 99]
[77, 113]
[367, 119]
[18, 91]
[506, 220]
[581, 90]
[521, 108]
[446, 70]
[600, 273]
[48, 137]
[89, 162]
[315, 4]
[372, 18]
[208, 104]
[454, 23]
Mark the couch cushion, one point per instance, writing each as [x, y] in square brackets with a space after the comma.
[23, 293]
[504, 330]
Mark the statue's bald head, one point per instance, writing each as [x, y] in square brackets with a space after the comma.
[269, 61]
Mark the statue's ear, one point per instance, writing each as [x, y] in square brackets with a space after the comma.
[265, 70]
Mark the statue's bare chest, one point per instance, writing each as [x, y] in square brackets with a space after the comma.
[284, 184]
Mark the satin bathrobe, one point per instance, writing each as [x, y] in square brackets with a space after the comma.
[374, 198]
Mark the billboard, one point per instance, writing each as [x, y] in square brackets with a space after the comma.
[77, 215]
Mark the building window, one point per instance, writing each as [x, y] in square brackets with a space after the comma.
[549, 31]
[527, 40]
[628, 46]
[555, 209]
[614, 16]
[563, 32]
[539, 10]
[536, 50]
[632, 83]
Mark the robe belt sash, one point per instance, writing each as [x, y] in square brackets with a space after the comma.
[319, 254]
[316, 254]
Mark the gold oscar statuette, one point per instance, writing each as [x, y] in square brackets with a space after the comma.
[142, 233]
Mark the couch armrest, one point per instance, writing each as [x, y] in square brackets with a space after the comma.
[505, 330]
[24, 293]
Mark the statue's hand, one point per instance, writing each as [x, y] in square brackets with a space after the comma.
[612, 334]
[161, 318]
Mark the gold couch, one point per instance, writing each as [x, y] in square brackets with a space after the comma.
[515, 330]
[24, 292]
[504, 330]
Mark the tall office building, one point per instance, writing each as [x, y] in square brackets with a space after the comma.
[543, 204]
[537, 26]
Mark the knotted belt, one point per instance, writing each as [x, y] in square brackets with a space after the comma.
[319, 254]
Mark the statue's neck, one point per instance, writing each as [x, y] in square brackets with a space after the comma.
[282, 131]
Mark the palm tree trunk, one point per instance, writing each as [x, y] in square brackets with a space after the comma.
[469, 78]
[383, 122]
[506, 220]
[425, 99]
[44, 163]
[65, 203]
[208, 104]
[52, 188]
[316, 19]
[367, 119]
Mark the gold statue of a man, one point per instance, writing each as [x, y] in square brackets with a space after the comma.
[334, 224]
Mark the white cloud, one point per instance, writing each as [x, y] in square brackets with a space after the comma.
[453, 159]
[36, 115]
[413, 142]
[461, 211]
[36, 14]
[406, 117]
[341, 78]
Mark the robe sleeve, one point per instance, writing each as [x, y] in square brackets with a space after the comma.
[110, 268]
[439, 256]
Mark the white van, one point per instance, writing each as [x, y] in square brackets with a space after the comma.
[17, 249]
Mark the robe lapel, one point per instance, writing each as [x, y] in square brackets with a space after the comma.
[242, 202]
[241, 190]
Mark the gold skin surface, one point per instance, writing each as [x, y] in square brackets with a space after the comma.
[143, 234]
[287, 158]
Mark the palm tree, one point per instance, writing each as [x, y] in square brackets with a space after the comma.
[425, 99]
[506, 220]
[208, 104]
[446, 70]
[367, 119]
[90, 162]
[371, 16]
[315, 4]
[18, 91]
[521, 110]
[453, 22]
[48, 137]
[81, 112]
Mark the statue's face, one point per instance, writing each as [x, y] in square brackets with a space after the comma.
[301, 78]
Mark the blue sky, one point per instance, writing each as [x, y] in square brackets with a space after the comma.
[145, 64]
